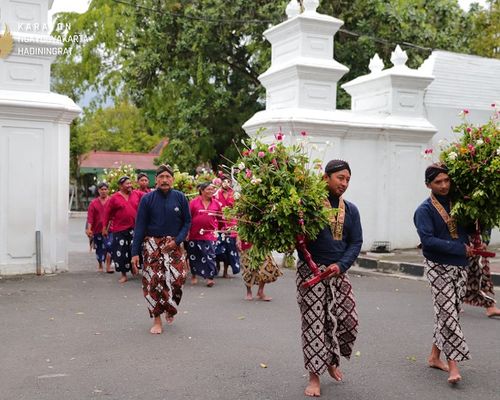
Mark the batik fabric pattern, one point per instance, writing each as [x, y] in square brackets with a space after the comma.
[329, 319]
[202, 258]
[163, 276]
[103, 246]
[480, 291]
[269, 272]
[122, 250]
[227, 252]
[448, 285]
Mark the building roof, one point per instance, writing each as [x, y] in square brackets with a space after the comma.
[112, 159]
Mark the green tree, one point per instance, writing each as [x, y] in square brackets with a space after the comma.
[191, 67]
[485, 30]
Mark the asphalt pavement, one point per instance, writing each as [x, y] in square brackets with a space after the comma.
[81, 335]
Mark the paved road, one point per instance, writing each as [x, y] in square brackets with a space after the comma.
[81, 335]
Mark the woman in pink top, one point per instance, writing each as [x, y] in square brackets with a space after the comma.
[227, 248]
[202, 235]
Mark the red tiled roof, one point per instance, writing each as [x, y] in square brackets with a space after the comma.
[112, 159]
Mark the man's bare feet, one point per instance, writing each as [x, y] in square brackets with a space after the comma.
[313, 388]
[438, 364]
[123, 279]
[194, 280]
[454, 376]
[156, 329]
[335, 373]
[492, 312]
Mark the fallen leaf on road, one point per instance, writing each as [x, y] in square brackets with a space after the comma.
[97, 333]
[263, 365]
[80, 313]
[189, 337]
[97, 391]
[185, 312]
[241, 317]
[397, 290]
[411, 358]
[357, 354]
[51, 319]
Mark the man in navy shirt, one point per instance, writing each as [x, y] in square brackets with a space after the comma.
[328, 309]
[162, 224]
[445, 246]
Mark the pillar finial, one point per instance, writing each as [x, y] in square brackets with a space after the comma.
[292, 9]
[399, 57]
[310, 5]
[376, 64]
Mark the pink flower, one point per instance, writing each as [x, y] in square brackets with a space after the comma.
[272, 148]
[245, 153]
[279, 136]
[301, 221]
[472, 149]
[428, 151]
[217, 181]
[248, 173]
[261, 154]
[303, 133]
[493, 105]
[487, 139]
[274, 162]
[466, 111]
[469, 130]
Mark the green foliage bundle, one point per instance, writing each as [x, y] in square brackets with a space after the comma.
[112, 176]
[184, 182]
[474, 167]
[280, 198]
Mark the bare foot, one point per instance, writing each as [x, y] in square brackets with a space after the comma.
[169, 319]
[438, 364]
[454, 376]
[263, 297]
[194, 281]
[335, 373]
[492, 312]
[123, 279]
[156, 329]
[249, 297]
[210, 282]
[313, 388]
[100, 269]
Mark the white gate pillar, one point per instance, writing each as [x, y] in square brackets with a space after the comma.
[34, 144]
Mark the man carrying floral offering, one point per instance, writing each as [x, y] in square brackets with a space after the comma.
[329, 317]
[445, 246]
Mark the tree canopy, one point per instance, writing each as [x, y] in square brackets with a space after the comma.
[190, 68]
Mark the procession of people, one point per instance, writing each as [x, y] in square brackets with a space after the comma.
[169, 237]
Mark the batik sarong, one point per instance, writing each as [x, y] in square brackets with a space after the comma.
[122, 250]
[163, 275]
[329, 319]
[448, 283]
[226, 251]
[479, 284]
[103, 246]
[268, 272]
[202, 258]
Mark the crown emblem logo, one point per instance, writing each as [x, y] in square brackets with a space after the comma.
[6, 43]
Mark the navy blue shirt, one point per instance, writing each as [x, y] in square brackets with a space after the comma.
[437, 243]
[161, 214]
[325, 250]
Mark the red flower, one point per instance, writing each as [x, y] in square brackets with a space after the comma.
[493, 105]
[487, 139]
[303, 133]
[428, 151]
[466, 111]
[245, 153]
[279, 136]
[261, 154]
[274, 162]
[248, 173]
[469, 130]
[301, 221]
[272, 148]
